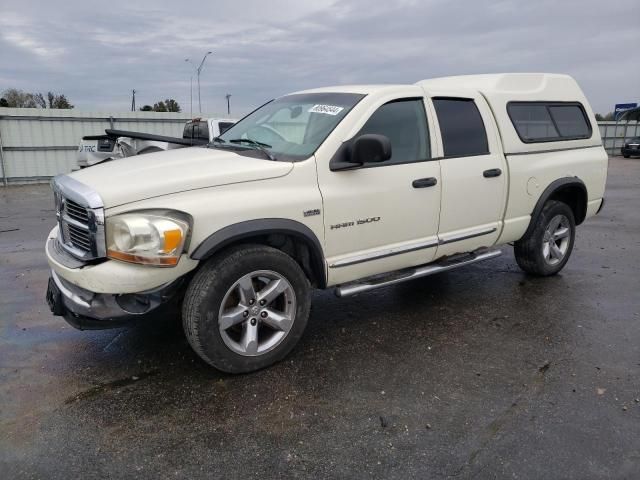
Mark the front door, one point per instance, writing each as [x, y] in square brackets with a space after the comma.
[384, 216]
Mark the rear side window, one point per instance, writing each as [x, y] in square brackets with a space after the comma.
[201, 131]
[461, 126]
[549, 121]
[224, 126]
[404, 122]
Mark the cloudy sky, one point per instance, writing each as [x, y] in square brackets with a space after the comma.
[96, 52]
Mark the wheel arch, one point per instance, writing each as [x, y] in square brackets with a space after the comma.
[290, 236]
[570, 190]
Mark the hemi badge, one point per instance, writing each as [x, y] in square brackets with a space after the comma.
[310, 213]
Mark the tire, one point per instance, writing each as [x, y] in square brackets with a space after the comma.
[228, 331]
[535, 254]
[626, 156]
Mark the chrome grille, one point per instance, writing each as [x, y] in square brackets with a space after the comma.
[76, 211]
[80, 218]
[79, 237]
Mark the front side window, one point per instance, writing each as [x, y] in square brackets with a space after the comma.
[549, 121]
[461, 127]
[290, 128]
[404, 123]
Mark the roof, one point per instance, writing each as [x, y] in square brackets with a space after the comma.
[509, 83]
[363, 89]
[522, 83]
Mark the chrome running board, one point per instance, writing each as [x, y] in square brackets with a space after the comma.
[411, 273]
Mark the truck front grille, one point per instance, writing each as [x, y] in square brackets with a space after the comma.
[80, 217]
[76, 211]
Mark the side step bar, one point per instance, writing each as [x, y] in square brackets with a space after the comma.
[411, 273]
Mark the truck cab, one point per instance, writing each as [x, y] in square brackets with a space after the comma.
[351, 187]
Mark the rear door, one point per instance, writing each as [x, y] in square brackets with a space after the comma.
[473, 173]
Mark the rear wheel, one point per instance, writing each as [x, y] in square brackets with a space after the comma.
[546, 250]
[246, 308]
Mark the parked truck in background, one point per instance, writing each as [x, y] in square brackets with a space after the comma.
[115, 144]
[349, 187]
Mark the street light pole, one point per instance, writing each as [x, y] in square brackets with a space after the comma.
[228, 96]
[198, 70]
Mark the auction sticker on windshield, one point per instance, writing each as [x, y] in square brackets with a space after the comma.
[328, 109]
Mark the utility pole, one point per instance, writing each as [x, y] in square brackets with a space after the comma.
[133, 100]
[228, 96]
[198, 71]
[191, 95]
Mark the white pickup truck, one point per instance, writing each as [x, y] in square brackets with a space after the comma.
[349, 187]
[115, 144]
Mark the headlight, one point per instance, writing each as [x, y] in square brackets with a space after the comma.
[148, 237]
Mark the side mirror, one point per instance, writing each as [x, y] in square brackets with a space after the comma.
[370, 148]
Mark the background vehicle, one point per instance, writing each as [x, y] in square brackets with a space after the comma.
[115, 144]
[351, 187]
[631, 148]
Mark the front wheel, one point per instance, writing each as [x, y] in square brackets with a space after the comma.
[546, 250]
[246, 308]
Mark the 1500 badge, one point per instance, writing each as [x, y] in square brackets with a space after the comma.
[361, 221]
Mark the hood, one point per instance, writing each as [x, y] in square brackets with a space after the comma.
[150, 175]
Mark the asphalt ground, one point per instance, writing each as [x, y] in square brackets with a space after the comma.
[482, 372]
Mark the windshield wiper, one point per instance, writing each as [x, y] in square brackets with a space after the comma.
[259, 145]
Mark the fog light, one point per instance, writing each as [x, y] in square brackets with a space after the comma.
[134, 303]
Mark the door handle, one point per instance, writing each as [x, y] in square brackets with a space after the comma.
[493, 172]
[425, 182]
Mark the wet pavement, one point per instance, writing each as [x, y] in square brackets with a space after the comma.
[477, 373]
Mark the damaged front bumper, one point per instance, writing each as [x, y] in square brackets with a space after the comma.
[87, 310]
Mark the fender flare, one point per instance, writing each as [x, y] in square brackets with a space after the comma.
[554, 187]
[264, 226]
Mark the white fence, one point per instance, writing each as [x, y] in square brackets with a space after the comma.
[614, 134]
[36, 144]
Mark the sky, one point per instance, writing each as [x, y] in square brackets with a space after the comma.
[96, 52]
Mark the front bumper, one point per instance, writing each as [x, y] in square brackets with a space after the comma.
[87, 310]
[110, 294]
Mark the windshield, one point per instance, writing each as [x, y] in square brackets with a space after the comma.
[289, 128]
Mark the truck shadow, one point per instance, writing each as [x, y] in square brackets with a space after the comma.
[428, 322]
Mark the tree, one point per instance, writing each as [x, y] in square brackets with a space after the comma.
[172, 105]
[168, 105]
[159, 107]
[599, 117]
[3, 102]
[19, 99]
[39, 100]
[58, 101]
[146, 108]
